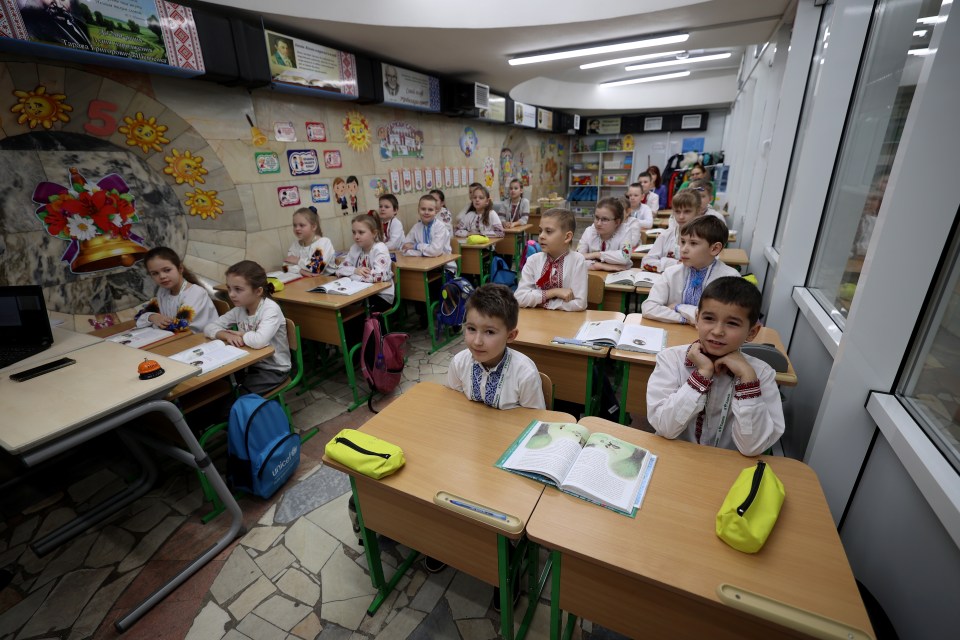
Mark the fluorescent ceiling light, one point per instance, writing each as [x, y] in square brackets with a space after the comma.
[670, 63]
[921, 52]
[932, 20]
[666, 76]
[608, 48]
[646, 56]
[920, 33]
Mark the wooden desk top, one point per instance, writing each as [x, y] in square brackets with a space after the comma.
[297, 292]
[464, 245]
[732, 257]
[519, 228]
[626, 288]
[63, 343]
[454, 449]
[127, 325]
[424, 263]
[678, 334]
[171, 348]
[539, 326]
[672, 541]
[103, 381]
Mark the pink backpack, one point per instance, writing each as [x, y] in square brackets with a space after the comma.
[381, 357]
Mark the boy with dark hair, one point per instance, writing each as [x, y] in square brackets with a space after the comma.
[555, 278]
[711, 393]
[487, 370]
[665, 251]
[650, 197]
[676, 296]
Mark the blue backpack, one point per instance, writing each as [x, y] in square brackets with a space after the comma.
[262, 453]
[532, 247]
[500, 273]
[453, 304]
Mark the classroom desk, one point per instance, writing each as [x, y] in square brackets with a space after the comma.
[320, 317]
[473, 260]
[127, 325]
[732, 257]
[99, 394]
[512, 242]
[570, 367]
[452, 450]
[63, 343]
[416, 274]
[635, 368]
[657, 575]
[658, 224]
[615, 296]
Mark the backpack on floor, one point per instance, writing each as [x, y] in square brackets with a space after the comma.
[453, 304]
[500, 273]
[381, 357]
[262, 453]
[531, 248]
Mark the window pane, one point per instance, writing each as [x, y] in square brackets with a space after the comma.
[895, 53]
[809, 95]
[931, 388]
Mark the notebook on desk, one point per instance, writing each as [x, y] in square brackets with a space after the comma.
[24, 325]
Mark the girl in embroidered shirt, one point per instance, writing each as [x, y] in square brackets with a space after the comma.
[369, 259]
[255, 321]
[443, 214]
[517, 207]
[482, 219]
[310, 253]
[181, 303]
[604, 244]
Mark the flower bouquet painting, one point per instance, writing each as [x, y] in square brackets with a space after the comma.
[96, 220]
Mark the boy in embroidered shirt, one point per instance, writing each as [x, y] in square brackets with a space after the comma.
[665, 251]
[650, 197]
[488, 371]
[676, 296]
[555, 278]
[392, 227]
[711, 393]
[636, 209]
[705, 189]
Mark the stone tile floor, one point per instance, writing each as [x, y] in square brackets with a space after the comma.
[298, 572]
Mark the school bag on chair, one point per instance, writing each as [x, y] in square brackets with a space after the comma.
[500, 273]
[262, 453]
[381, 357]
[453, 304]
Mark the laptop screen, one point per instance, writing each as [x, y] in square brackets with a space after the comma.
[23, 317]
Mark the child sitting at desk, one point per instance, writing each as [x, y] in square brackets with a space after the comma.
[711, 393]
[674, 298]
[481, 218]
[443, 214]
[368, 259]
[555, 278]
[392, 227]
[637, 209]
[606, 244]
[310, 252]
[181, 303]
[487, 370]
[516, 208]
[704, 187]
[650, 197]
[259, 322]
[666, 250]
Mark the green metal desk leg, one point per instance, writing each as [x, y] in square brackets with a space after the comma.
[435, 344]
[506, 587]
[624, 386]
[556, 615]
[348, 364]
[588, 399]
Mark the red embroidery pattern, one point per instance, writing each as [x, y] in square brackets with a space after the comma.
[746, 390]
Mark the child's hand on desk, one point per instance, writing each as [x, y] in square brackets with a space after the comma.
[737, 366]
[161, 321]
[595, 255]
[407, 246]
[649, 267]
[363, 272]
[703, 364]
[563, 294]
[233, 338]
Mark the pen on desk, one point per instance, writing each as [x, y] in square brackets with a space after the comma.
[480, 510]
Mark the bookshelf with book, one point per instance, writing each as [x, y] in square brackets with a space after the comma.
[599, 168]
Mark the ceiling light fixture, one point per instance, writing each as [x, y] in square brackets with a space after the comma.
[607, 48]
[646, 56]
[920, 33]
[921, 52]
[670, 63]
[666, 76]
[932, 20]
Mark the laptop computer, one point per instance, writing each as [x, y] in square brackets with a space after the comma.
[24, 325]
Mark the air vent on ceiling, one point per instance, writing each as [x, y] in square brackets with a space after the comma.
[481, 96]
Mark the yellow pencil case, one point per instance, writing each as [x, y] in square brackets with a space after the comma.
[367, 454]
[477, 239]
[751, 508]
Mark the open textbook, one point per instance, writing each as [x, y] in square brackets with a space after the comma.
[634, 277]
[141, 337]
[593, 466]
[209, 355]
[616, 334]
[285, 276]
[342, 287]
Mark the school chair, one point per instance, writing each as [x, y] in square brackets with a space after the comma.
[396, 298]
[595, 292]
[279, 393]
[547, 385]
[222, 306]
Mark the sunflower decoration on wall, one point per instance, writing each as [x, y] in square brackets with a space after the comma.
[144, 132]
[38, 107]
[356, 130]
[205, 204]
[185, 167]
